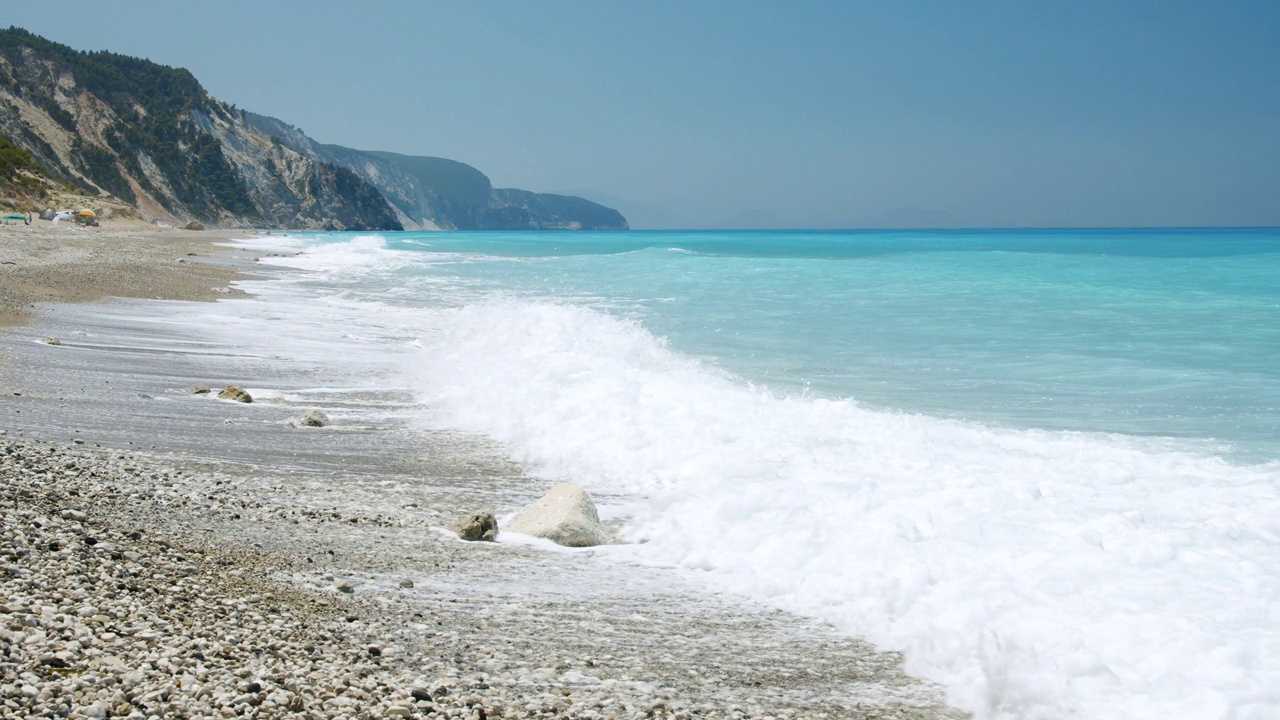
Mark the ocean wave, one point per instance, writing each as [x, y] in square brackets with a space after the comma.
[1034, 574]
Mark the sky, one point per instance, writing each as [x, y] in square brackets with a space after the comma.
[735, 113]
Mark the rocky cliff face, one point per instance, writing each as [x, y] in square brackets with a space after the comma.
[436, 193]
[150, 135]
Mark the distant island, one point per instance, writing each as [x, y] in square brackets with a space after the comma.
[147, 136]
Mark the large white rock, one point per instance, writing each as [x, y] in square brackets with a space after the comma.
[565, 515]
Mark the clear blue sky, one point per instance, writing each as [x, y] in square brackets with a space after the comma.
[802, 114]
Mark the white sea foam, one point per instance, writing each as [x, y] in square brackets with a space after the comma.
[270, 243]
[1034, 574]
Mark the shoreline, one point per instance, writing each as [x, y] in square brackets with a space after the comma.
[516, 630]
[43, 263]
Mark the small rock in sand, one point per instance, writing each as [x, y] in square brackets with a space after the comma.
[235, 392]
[346, 586]
[313, 418]
[406, 583]
[478, 526]
[51, 340]
[565, 516]
[197, 389]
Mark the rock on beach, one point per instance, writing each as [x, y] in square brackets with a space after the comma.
[235, 392]
[478, 526]
[565, 516]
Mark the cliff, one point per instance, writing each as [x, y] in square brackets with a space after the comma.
[151, 136]
[436, 193]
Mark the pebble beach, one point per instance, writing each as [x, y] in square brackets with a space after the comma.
[164, 573]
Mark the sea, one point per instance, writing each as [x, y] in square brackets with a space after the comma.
[1044, 465]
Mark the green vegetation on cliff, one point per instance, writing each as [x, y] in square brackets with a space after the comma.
[150, 134]
[152, 105]
[13, 159]
[19, 174]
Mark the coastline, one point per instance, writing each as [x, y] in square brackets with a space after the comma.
[261, 509]
[44, 263]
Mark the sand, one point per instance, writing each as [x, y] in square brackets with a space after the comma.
[43, 263]
[258, 568]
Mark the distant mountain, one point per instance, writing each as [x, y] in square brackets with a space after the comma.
[432, 192]
[150, 136]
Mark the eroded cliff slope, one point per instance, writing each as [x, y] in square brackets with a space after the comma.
[150, 135]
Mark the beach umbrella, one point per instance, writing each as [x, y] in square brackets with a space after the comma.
[86, 213]
[60, 215]
[15, 216]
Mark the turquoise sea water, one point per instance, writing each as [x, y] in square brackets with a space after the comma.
[1043, 465]
[1151, 332]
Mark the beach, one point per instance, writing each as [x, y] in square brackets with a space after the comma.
[168, 554]
[43, 263]
[639, 361]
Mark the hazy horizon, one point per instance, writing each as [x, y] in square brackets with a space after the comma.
[752, 115]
